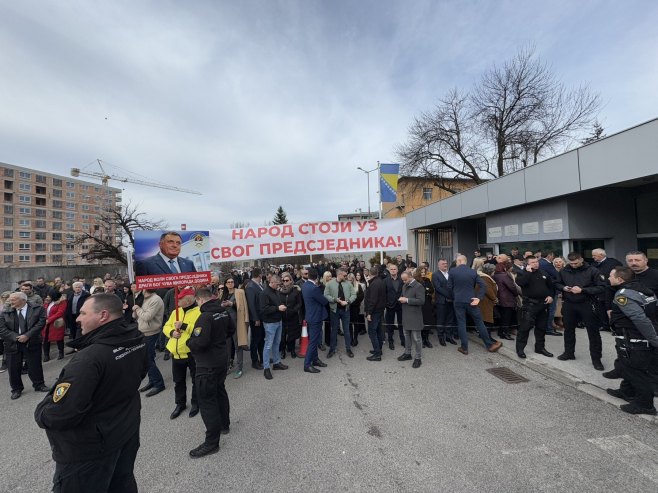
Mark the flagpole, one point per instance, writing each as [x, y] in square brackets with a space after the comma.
[379, 173]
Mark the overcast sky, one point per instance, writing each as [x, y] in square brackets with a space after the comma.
[264, 103]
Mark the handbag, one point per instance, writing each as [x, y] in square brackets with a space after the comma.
[59, 323]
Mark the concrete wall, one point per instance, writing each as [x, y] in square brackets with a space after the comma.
[534, 222]
[9, 276]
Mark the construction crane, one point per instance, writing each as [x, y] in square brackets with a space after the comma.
[105, 177]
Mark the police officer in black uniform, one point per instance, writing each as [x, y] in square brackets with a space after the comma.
[208, 346]
[633, 319]
[538, 289]
[580, 285]
[92, 413]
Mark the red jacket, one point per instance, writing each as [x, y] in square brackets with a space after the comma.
[57, 311]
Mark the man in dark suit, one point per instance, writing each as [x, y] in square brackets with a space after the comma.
[167, 261]
[20, 329]
[461, 283]
[316, 311]
[252, 293]
[445, 312]
[393, 307]
[74, 302]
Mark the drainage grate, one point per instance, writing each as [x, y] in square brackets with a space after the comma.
[507, 375]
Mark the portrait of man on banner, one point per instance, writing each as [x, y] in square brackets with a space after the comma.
[170, 252]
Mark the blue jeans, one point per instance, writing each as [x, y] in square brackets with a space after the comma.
[375, 332]
[272, 339]
[460, 313]
[155, 377]
[314, 338]
[336, 318]
[551, 315]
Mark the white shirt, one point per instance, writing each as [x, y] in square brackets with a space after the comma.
[445, 274]
[174, 263]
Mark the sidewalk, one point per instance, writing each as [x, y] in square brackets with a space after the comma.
[577, 373]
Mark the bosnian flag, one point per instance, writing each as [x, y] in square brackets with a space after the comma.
[388, 182]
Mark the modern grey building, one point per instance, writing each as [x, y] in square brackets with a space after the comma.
[603, 195]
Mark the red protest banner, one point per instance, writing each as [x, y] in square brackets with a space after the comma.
[158, 281]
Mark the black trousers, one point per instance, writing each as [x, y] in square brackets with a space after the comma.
[179, 369]
[213, 402]
[257, 342]
[533, 314]
[31, 353]
[639, 372]
[391, 315]
[446, 323]
[507, 320]
[572, 314]
[113, 473]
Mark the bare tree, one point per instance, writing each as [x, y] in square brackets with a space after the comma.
[113, 231]
[514, 116]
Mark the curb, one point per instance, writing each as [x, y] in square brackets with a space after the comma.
[565, 378]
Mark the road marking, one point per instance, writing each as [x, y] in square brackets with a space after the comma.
[631, 452]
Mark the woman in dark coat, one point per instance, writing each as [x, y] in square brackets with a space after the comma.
[429, 315]
[356, 317]
[290, 295]
[507, 293]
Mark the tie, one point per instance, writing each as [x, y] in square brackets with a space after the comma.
[172, 266]
[21, 323]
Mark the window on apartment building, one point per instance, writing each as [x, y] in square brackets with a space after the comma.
[24, 223]
[40, 247]
[9, 172]
[57, 215]
[70, 184]
[9, 185]
[57, 236]
[85, 207]
[25, 199]
[56, 247]
[41, 201]
[70, 215]
[40, 212]
[9, 209]
[70, 248]
[40, 235]
[24, 175]
[70, 195]
[40, 190]
[25, 211]
[427, 193]
[8, 259]
[57, 258]
[8, 234]
[9, 197]
[57, 225]
[57, 182]
[39, 258]
[24, 258]
[57, 193]
[70, 237]
[41, 179]
[9, 247]
[9, 221]
[70, 226]
[24, 187]
[24, 247]
[24, 234]
[57, 204]
[70, 205]
[40, 223]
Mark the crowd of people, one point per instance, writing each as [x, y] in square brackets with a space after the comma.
[206, 330]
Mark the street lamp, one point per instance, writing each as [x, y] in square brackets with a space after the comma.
[368, 178]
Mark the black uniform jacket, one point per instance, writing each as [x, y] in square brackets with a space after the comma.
[586, 277]
[634, 312]
[208, 340]
[94, 406]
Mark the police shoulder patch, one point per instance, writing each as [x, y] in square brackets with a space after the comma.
[621, 300]
[197, 331]
[60, 391]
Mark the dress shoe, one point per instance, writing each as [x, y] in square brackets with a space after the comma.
[322, 347]
[612, 374]
[41, 388]
[565, 357]
[72, 351]
[391, 345]
[146, 387]
[203, 450]
[331, 353]
[633, 409]
[293, 354]
[225, 431]
[521, 354]
[15, 395]
[319, 363]
[154, 391]
[619, 394]
[462, 350]
[554, 333]
[404, 357]
[427, 344]
[237, 373]
[280, 366]
[60, 355]
[442, 341]
[46, 358]
[283, 355]
[350, 353]
[374, 357]
[166, 356]
[507, 337]
[495, 347]
[372, 351]
[451, 341]
[311, 369]
[194, 410]
[257, 366]
[177, 410]
[24, 371]
[3, 367]
[355, 342]
[416, 363]
[268, 374]
[544, 352]
[596, 363]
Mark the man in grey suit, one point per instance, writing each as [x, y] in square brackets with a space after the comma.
[167, 261]
[412, 301]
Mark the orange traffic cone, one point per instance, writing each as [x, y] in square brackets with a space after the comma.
[303, 343]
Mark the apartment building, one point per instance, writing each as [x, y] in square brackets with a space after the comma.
[43, 213]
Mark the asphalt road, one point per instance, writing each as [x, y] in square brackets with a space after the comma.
[362, 426]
